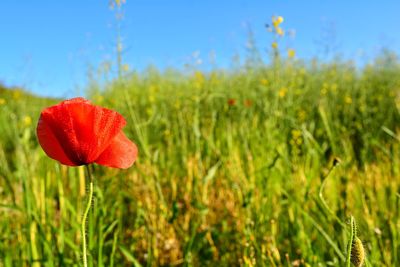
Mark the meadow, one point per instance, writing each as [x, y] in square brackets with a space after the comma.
[257, 166]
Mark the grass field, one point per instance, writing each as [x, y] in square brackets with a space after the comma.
[261, 166]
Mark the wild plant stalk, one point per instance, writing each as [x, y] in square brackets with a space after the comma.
[85, 214]
[355, 248]
[321, 196]
[351, 239]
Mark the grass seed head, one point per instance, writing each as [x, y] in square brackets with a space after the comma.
[357, 252]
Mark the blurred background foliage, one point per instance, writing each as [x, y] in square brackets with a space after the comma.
[259, 165]
[229, 172]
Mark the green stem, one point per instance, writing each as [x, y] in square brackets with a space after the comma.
[321, 196]
[88, 205]
[350, 242]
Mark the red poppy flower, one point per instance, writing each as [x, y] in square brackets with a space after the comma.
[75, 132]
[248, 103]
[231, 101]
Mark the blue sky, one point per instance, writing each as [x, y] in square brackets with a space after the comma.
[49, 46]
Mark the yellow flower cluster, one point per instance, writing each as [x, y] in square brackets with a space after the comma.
[119, 2]
[276, 22]
[301, 115]
[278, 32]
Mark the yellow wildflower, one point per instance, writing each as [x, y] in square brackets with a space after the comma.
[348, 100]
[282, 92]
[152, 98]
[27, 121]
[302, 114]
[296, 133]
[276, 21]
[291, 53]
[167, 133]
[120, 2]
[2, 101]
[279, 19]
[274, 45]
[264, 81]
[279, 31]
[299, 141]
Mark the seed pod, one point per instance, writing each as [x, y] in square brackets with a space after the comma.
[357, 252]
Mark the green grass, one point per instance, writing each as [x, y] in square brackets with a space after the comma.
[216, 184]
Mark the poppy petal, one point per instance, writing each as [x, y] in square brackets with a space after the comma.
[50, 144]
[83, 130]
[121, 153]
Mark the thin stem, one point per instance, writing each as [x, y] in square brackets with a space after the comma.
[350, 244]
[88, 205]
[321, 196]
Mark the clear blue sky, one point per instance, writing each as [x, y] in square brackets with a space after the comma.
[48, 46]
